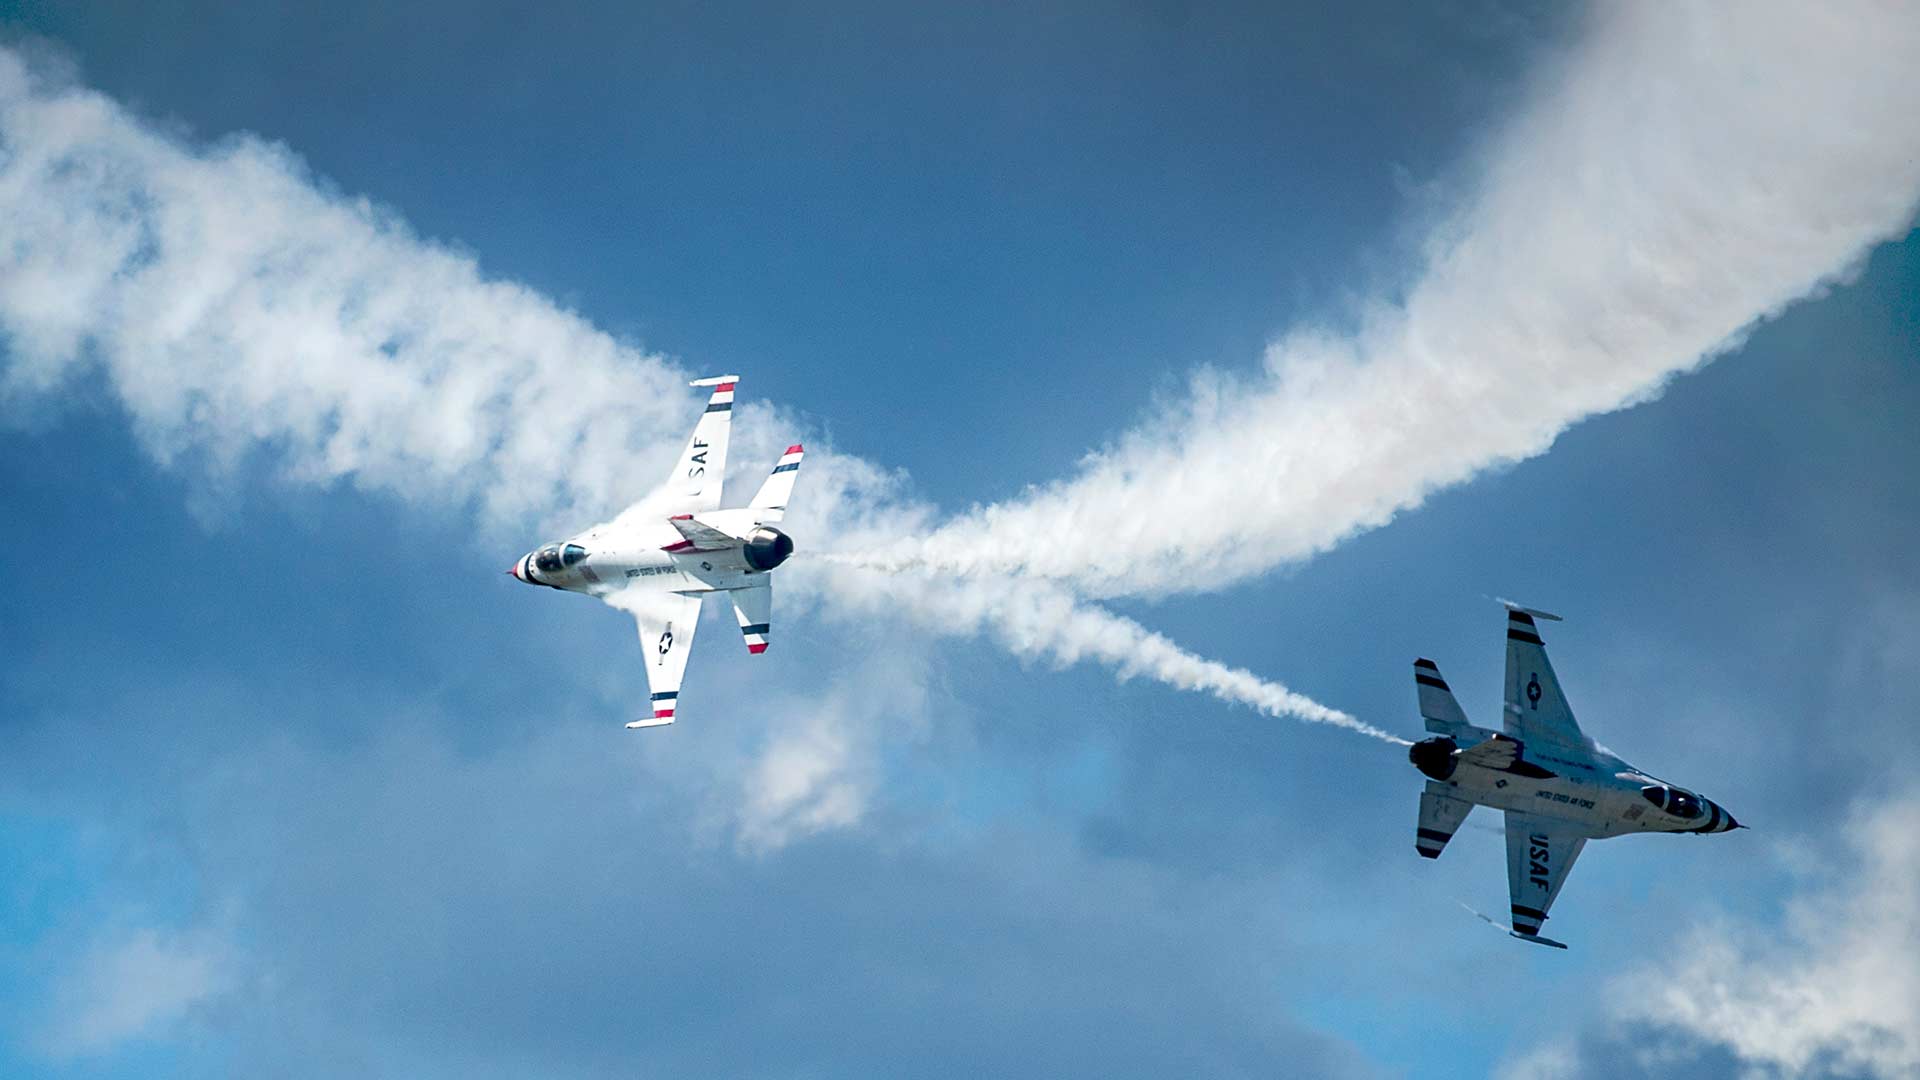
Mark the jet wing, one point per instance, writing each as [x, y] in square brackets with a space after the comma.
[697, 477]
[667, 622]
[1536, 710]
[754, 609]
[1540, 851]
[698, 536]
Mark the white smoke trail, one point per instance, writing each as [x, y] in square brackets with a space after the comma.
[1035, 619]
[232, 304]
[1688, 170]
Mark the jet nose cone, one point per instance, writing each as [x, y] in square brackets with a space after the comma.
[515, 568]
[1726, 821]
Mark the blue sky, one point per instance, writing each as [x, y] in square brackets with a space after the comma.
[300, 784]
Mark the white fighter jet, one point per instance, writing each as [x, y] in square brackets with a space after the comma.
[659, 569]
[1558, 788]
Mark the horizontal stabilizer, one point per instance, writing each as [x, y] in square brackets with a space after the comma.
[1440, 817]
[770, 502]
[653, 721]
[754, 610]
[1537, 939]
[1437, 705]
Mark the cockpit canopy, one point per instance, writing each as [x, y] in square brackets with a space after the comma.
[555, 557]
[1681, 804]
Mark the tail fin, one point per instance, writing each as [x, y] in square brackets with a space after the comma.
[1437, 704]
[771, 502]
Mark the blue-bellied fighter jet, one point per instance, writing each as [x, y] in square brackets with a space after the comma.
[1558, 788]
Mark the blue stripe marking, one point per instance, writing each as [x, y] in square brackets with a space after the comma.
[754, 628]
[786, 468]
[665, 695]
[724, 406]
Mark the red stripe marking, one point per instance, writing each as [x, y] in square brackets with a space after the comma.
[659, 714]
[681, 546]
[681, 517]
[723, 388]
[794, 449]
[757, 649]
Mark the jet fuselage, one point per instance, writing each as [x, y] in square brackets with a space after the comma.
[587, 564]
[1606, 797]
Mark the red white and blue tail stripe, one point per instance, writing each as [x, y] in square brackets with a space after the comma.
[756, 636]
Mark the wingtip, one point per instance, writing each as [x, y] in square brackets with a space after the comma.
[796, 448]
[1525, 610]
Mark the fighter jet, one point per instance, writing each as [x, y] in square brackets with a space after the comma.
[1558, 788]
[659, 569]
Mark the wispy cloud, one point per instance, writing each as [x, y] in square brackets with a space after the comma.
[1832, 990]
[820, 769]
[1682, 173]
[133, 984]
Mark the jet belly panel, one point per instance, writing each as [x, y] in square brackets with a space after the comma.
[1554, 796]
[654, 570]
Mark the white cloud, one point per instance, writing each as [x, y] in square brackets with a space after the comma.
[1834, 989]
[819, 769]
[1687, 170]
[132, 985]
[1830, 989]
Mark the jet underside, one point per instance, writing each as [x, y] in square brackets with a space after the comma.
[1556, 787]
